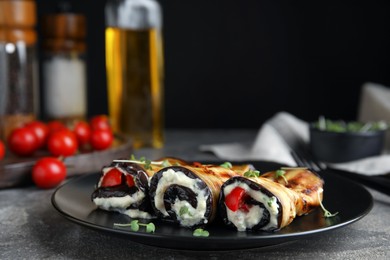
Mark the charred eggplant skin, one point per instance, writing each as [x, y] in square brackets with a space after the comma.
[180, 192]
[254, 186]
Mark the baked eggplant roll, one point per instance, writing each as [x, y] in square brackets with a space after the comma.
[262, 203]
[188, 195]
[124, 187]
[307, 184]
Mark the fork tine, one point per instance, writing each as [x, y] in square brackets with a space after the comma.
[303, 160]
[297, 159]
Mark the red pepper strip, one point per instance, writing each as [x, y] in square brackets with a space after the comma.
[234, 200]
[112, 178]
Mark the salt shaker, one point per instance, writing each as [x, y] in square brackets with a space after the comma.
[64, 66]
[19, 100]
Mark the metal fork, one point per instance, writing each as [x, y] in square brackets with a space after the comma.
[379, 183]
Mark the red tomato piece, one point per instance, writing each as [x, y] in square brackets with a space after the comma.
[62, 143]
[48, 172]
[112, 178]
[101, 139]
[234, 199]
[40, 130]
[22, 141]
[82, 131]
[130, 181]
[100, 122]
[2, 150]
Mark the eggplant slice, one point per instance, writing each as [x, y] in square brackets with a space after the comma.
[269, 202]
[188, 195]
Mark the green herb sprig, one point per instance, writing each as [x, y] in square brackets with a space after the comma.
[327, 213]
[252, 173]
[135, 226]
[281, 173]
[340, 126]
[199, 232]
[184, 210]
[227, 165]
[147, 163]
[271, 201]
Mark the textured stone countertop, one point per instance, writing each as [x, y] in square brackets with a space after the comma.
[30, 228]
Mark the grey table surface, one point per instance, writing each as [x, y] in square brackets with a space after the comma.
[30, 228]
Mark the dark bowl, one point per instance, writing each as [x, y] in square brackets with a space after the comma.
[337, 147]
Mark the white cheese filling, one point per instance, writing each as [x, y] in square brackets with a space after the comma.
[136, 213]
[119, 202]
[243, 220]
[190, 216]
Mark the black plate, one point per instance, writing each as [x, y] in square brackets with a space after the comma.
[352, 201]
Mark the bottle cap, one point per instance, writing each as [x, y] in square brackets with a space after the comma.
[21, 13]
[64, 26]
[29, 36]
[64, 32]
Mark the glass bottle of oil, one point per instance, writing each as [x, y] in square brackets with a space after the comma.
[134, 65]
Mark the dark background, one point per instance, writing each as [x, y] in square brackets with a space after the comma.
[234, 64]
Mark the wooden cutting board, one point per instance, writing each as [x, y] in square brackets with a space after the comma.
[16, 171]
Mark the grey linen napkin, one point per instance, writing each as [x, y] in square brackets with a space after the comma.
[278, 136]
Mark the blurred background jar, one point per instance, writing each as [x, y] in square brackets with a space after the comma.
[19, 100]
[63, 65]
[134, 65]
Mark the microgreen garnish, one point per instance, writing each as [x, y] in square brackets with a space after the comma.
[271, 201]
[327, 214]
[147, 163]
[252, 173]
[280, 173]
[135, 225]
[184, 210]
[341, 126]
[166, 163]
[199, 232]
[227, 165]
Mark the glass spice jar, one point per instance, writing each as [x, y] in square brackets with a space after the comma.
[64, 66]
[18, 65]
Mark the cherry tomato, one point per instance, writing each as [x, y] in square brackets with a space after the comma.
[55, 125]
[130, 181]
[112, 178]
[82, 132]
[22, 141]
[100, 122]
[40, 130]
[234, 199]
[62, 143]
[2, 150]
[48, 172]
[101, 139]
